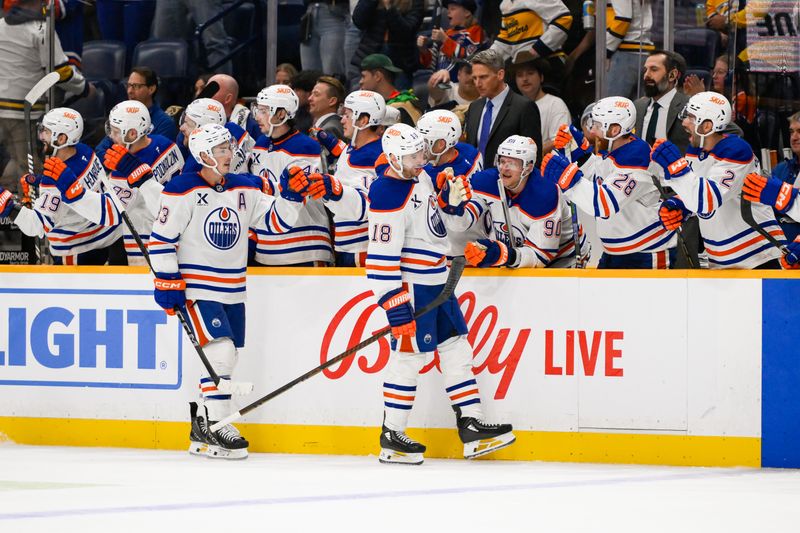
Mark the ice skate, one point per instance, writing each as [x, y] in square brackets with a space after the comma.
[198, 434]
[399, 448]
[481, 438]
[226, 443]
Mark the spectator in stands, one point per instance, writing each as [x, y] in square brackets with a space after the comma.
[657, 111]
[228, 96]
[142, 86]
[69, 26]
[390, 27]
[529, 74]
[323, 103]
[499, 113]
[128, 22]
[171, 20]
[537, 26]
[378, 74]
[461, 92]
[302, 84]
[284, 73]
[23, 62]
[789, 170]
[627, 42]
[443, 48]
[323, 28]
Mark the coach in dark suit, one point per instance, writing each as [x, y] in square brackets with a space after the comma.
[657, 112]
[499, 112]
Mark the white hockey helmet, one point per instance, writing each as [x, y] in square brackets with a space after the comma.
[366, 103]
[275, 98]
[406, 145]
[204, 139]
[129, 115]
[62, 121]
[614, 110]
[518, 147]
[436, 125]
[708, 106]
[205, 111]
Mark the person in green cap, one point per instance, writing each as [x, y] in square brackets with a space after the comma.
[378, 74]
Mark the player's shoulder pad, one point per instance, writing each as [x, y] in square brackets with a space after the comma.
[299, 145]
[540, 196]
[182, 183]
[236, 131]
[733, 148]
[633, 155]
[366, 156]
[82, 158]
[389, 194]
[485, 182]
[159, 141]
[262, 142]
[242, 180]
[467, 151]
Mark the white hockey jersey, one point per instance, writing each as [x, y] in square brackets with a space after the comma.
[310, 239]
[201, 231]
[712, 189]
[619, 192]
[541, 223]
[67, 227]
[539, 24]
[408, 239]
[166, 161]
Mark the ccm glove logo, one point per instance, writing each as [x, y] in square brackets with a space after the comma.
[170, 284]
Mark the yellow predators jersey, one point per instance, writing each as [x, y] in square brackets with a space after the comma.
[538, 24]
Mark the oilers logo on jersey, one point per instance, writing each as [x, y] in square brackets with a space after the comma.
[435, 222]
[500, 232]
[222, 228]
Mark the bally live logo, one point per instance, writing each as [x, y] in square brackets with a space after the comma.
[497, 350]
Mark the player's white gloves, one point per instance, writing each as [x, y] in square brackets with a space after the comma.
[454, 192]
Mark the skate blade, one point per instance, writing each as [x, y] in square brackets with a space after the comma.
[393, 457]
[216, 452]
[198, 448]
[481, 447]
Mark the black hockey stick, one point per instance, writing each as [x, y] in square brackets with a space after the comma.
[178, 311]
[573, 214]
[456, 269]
[209, 90]
[746, 208]
[679, 231]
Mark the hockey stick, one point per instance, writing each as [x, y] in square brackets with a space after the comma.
[232, 387]
[33, 96]
[209, 90]
[573, 213]
[501, 189]
[747, 208]
[679, 232]
[456, 269]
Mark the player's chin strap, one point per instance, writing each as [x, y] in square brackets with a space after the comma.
[438, 155]
[225, 386]
[456, 268]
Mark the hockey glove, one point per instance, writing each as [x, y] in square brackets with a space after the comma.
[170, 291]
[565, 135]
[26, 184]
[324, 186]
[329, 141]
[118, 158]
[454, 192]
[672, 213]
[557, 169]
[68, 184]
[397, 304]
[485, 253]
[669, 157]
[770, 191]
[792, 259]
[6, 203]
[293, 184]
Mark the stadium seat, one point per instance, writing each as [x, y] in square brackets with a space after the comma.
[103, 60]
[93, 110]
[699, 46]
[169, 58]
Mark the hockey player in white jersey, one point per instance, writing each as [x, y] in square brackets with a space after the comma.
[407, 267]
[344, 193]
[74, 239]
[208, 111]
[441, 131]
[135, 153]
[619, 193]
[279, 149]
[709, 181]
[198, 250]
[540, 224]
